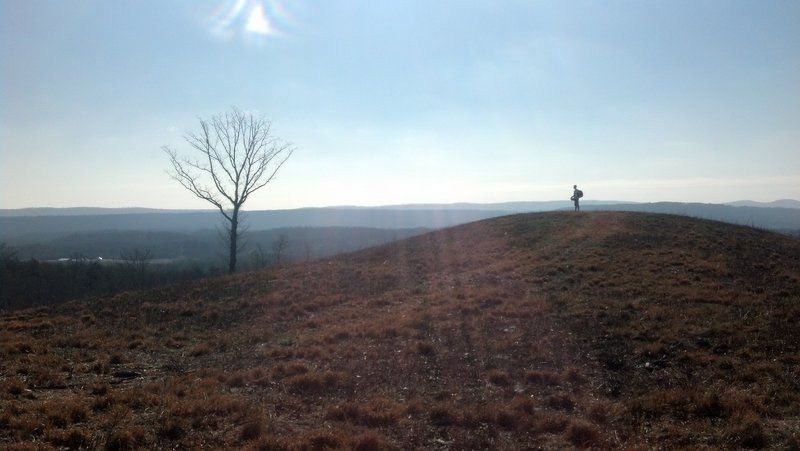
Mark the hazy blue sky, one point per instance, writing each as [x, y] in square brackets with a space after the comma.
[406, 101]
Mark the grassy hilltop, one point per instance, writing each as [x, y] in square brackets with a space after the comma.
[549, 330]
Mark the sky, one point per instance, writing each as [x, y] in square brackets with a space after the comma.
[412, 101]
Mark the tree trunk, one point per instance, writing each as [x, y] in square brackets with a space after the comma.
[234, 234]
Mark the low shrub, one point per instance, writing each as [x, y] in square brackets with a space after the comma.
[601, 412]
[124, 438]
[117, 359]
[290, 369]
[583, 434]
[425, 349]
[710, 406]
[315, 382]
[14, 386]
[371, 441]
[542, 377]
[748, 432]
[252, 430]
[551, 424]
[267, 444]
[98, 388]
[102, 403]
[574, 376]
[64, 412]
[505, 419]
[74, 438]
[442, 415]
[375, 413]
[561, 401]
[523, 404]
[499, 377]
[44, 377]
[200, 349]
[171, 428]
[319, 441]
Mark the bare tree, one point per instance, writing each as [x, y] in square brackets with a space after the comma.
[7, 253]
[137, 261]
[259, 257]
[279, 246]
[238, 155]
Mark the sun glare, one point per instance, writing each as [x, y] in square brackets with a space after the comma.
[257, 22]
[249, 19]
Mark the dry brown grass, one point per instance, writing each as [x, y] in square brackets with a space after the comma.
[553, 331]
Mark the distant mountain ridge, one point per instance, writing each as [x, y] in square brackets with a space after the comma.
[520, 206]
[780, 203]
[31, 225]
[83, 211]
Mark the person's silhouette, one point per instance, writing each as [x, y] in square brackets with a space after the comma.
[576, 195]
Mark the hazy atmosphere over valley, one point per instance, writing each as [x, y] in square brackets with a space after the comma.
[405, 102]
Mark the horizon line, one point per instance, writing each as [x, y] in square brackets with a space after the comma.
[405, 205]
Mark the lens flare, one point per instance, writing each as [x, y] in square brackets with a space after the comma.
[251, 20]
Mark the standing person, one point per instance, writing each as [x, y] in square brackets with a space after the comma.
[576, 195]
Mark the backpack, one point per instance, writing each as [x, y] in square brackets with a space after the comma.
[578, 193]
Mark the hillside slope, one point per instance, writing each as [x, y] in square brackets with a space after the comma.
[551, 330]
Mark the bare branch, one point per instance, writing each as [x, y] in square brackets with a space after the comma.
[237, 155]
